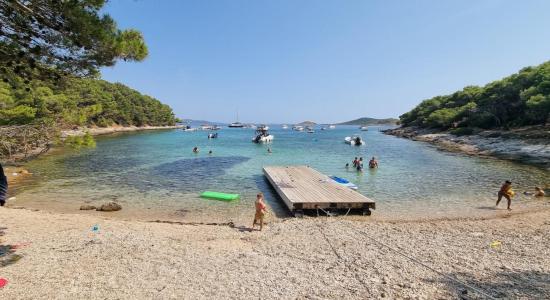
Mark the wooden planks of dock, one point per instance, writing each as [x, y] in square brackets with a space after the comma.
[302, 187]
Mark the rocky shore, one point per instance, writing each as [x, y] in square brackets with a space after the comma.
[527, 144]
[80, 131]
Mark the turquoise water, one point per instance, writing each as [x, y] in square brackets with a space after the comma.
[157, 171]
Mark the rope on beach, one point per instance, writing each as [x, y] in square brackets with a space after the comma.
[423, 264]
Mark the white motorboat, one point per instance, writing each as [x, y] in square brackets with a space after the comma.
[298, 128]
[262, 136]
[309, 129]
[331, 126]
[364, 128]
[284, 126]
[213, 135]
[262, 127]
[354, 140]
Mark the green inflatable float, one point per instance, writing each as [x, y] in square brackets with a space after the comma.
[220, 196]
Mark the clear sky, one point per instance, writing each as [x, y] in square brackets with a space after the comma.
[328, 61]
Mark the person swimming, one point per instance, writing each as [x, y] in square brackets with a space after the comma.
[506, 192]
[210, 152]
[355, 161]
[196, 150]
[373, 163]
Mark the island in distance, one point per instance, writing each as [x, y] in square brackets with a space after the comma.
[371, 121]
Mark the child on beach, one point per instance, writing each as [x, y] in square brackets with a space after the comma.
[260, 211]
[3, 186]
[539, 192]
[506, 192]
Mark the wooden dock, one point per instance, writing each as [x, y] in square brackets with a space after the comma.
[302, 187]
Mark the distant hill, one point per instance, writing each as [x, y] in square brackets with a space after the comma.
[371, 121]
[307, 123]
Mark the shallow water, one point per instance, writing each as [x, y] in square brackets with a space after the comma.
[156, 171]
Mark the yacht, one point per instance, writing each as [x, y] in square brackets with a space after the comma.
[309, 129]
[298, 128]
[236, 125]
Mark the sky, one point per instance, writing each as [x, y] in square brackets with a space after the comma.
[286, 61]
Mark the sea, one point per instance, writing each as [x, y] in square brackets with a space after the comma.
[155, 175]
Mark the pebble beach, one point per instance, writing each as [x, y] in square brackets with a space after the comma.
[48, 255]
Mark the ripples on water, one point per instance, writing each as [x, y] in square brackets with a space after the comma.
[158, 169]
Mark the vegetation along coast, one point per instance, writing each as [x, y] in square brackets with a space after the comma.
[507, 118]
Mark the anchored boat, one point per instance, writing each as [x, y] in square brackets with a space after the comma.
[262, 135]
[354, 140]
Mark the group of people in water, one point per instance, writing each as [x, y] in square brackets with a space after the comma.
[507, 192]
[358, 164]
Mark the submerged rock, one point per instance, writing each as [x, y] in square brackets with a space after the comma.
[111, 206]
[87, 207]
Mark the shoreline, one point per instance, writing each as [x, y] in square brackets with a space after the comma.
[62, 255]
[529, 145]
[95, 131]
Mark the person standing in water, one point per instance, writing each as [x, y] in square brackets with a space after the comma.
[506, 192]
[261, 210]
[359, 165]
[355, 161]
[3, 186]
[373, 163]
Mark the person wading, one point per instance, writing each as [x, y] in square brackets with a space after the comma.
[506, 192]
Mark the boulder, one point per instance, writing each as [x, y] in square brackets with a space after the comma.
[87, 207]
[111, 206]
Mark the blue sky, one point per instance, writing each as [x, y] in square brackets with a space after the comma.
[328, 61]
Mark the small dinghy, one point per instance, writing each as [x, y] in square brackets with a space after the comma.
[344, 182]
[354, 140]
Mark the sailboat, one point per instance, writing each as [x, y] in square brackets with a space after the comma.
[236, 124]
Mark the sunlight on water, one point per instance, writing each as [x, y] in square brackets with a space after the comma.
[157, 170]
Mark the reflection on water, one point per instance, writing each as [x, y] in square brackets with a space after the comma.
[157, 170]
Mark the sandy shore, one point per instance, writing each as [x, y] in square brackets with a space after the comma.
[59, 256]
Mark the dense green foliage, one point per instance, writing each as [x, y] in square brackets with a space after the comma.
[76, 142]
[370, 121]
[50, 39]
[78, 101]
[517, 100]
